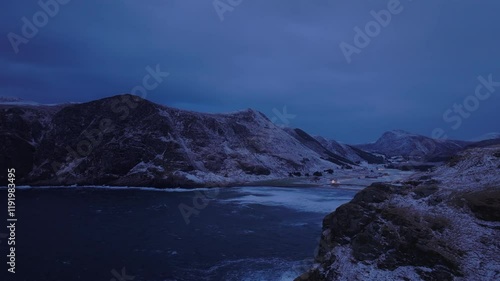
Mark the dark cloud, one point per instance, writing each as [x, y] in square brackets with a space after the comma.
[267, 55]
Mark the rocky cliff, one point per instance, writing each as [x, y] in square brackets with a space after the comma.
[442, 225]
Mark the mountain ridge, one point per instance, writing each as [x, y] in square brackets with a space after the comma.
[126, 140]
[413, 146]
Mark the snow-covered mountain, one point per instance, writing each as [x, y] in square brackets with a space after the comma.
[442, 225]
[4, 99]
[413, 146]
[488, 136]
[125, 140]
[350, 152]
[16, 101]
[319, 148]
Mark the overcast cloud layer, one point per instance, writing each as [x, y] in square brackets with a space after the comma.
[266, 55]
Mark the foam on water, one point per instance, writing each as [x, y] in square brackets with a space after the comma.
[319, 200]
[90, 187]
[256, 269]
[230, 240]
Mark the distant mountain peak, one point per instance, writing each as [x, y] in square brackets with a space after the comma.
[10, 99]
[399, 133]
[488, 136]
[406, 144]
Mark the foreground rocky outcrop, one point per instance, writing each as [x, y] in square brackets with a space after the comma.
[442, 225]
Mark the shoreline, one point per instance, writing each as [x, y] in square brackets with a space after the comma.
[355, 187]
[167, 189]
[347, 183]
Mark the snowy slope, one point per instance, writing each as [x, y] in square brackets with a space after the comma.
[413, 146]
[350, 152]
[149, 145]
[488, 136]
[442, 225]
[471, 169]
[318, 147]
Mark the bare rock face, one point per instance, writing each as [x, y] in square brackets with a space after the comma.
[21, 129]
[426, 230]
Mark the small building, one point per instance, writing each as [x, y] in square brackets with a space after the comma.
[334, 182]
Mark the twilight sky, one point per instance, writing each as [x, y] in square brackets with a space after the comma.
[268, 55]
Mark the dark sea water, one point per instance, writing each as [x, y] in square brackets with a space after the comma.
[247, 233]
